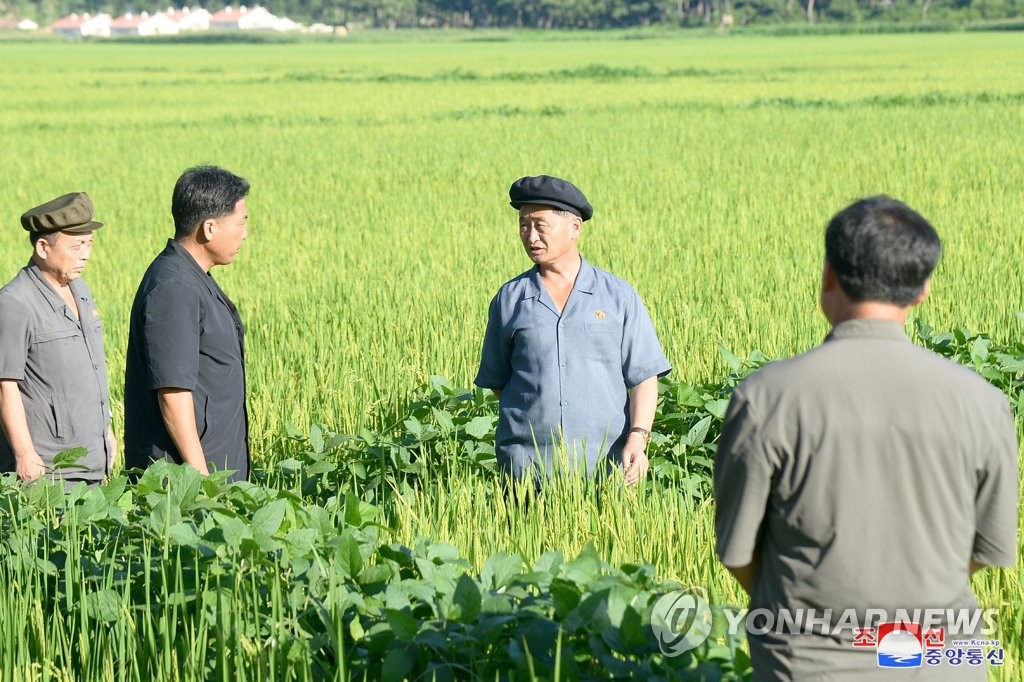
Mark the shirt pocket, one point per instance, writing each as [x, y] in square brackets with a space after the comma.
[604, 341]
[59, 419]
[55, 335]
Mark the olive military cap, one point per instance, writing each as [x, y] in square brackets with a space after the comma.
[548, 191]
[70, 213]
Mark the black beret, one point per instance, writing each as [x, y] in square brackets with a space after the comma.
[69, 213]
[548, 191]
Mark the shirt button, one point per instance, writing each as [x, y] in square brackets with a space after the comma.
[564, 403]
[562, 363]
[561, 325]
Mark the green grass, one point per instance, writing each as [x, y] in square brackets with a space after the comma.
[380, 228]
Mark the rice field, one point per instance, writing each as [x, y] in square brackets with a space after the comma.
[379, 225]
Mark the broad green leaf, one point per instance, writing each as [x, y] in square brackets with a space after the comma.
[267, 521]
[698, 432]
[67, 460]
[234, 529]
[584, 568]
[634, 633]
[402, 624]
[467, 597]
[717, 407]
[549, 562]
[183, 534]
[479, 427]
[499, 570]
[733, 362]
[104, 606]
[444, 421]
[396, 666]
[301, 541]
[565, 596]
[413, 426]
[347, 559]
[316, 439]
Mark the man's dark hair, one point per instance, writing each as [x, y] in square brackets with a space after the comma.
[50, 237]
[881, 250]
[202, 193]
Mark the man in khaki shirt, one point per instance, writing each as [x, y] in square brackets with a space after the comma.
[868, 473]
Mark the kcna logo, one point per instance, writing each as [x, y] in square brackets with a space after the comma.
[899, 645]
[681, 620]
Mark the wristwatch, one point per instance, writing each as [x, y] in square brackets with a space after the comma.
[643, 433]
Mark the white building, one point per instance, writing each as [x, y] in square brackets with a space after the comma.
[82, 25]
[190, 18]
[243, 19]
[144, 24]
[284, 24]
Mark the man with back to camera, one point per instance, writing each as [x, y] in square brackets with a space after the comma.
[868, 473]
[185, 372]
[569, 350]
[53, 372]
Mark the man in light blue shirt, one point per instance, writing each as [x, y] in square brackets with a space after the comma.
[570, 350]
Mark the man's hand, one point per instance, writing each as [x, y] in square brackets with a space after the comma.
[634, 459]
[29, 466]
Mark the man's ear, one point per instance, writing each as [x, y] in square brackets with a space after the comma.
[925, 290]
[206, 230]
[42, 248]
[577, 226]
[829, 281]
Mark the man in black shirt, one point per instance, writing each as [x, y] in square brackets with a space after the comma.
[185, 374]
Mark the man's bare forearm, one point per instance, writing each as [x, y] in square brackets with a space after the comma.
[643, 401]
[178, 412]
[745, 575]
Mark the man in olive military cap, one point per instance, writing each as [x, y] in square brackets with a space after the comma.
[53, 376]
[569, 350]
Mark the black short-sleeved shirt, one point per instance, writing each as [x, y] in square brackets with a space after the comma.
[58, 363]
[185, 333]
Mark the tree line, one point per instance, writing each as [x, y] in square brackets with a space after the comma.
[562, 13]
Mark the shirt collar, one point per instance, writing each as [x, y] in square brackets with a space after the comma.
[181, 252]
[868, 329]
[585, 280]
[51, 296]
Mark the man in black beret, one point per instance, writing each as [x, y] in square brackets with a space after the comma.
[569, 350]
[53, 375]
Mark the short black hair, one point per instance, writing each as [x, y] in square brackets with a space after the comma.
[201, 193]
[881, 250]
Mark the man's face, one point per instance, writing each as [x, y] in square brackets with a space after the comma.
[66, 258]
[547, 234]
[228, 233]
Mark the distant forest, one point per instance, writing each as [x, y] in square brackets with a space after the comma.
[562, 13]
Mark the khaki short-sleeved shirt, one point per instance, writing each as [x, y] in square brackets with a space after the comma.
[564, 377]
[59, 365]
[866, 474]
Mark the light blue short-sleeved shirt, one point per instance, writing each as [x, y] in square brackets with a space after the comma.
[564, 378]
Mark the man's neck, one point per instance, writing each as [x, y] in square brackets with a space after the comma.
[56, 283]
[564, 269]
[871, 310]
[198, 253]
